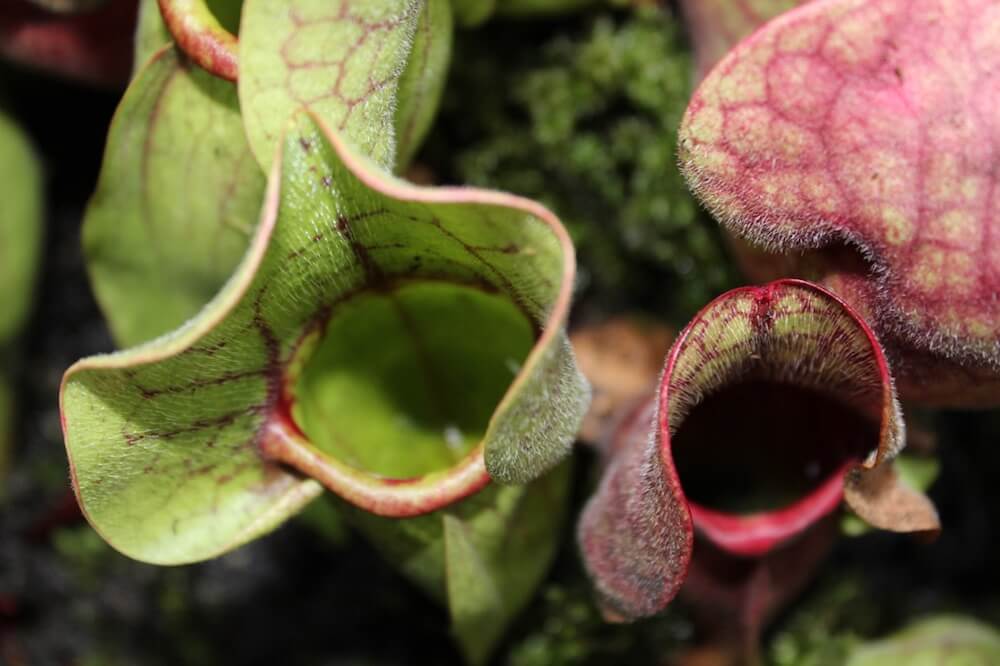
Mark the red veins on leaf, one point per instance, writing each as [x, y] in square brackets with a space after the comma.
[775, 405]
[861, 140]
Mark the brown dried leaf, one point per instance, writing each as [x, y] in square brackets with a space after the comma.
[621, 358]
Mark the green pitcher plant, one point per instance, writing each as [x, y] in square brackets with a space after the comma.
[401, 346]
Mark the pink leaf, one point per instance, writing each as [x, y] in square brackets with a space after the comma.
[865, 134]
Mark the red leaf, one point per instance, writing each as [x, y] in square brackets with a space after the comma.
[865, 134]
[775, 388]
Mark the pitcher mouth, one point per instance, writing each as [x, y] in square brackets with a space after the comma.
[767, 403]
[390, 394]
[762, 461]
[775, 404]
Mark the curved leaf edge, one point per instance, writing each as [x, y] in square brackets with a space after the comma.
[757, 225]
[187, 335]
[642, 489]
[892, 429]
[201, 37]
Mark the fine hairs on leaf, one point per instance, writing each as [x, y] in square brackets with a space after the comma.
[717, 421]
[176, 201]
[180, 189]
[346, 349]
[345, 68]
[887, 150]
[299, 315]
[185, 414]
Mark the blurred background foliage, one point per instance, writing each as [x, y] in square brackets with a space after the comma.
[581, 113]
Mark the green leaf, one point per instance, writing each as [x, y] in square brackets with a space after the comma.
[176, 201]
[20, 227]
[151, 34]
[918, 472]
[323, 518]
[178, 194]
[20, 251]
[473, 597]
[180, 448]
[938, 641]
[423, 79]
[484, 557]
[342, 62]
[470, 13]
[517, 542]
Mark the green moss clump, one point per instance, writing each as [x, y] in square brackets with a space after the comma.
[582, 115]
[823, 628]
[564, 628]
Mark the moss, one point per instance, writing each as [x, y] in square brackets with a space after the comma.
[823, 629]
[563, 628]
[583, 117]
